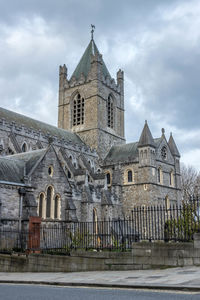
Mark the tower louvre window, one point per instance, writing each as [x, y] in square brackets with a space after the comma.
[78, 110]
[110, 120]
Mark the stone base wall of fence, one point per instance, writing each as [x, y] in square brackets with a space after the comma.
[144, 255]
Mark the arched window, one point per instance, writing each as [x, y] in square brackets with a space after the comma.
[160, 176]
[57, 207]
[78, 110]
[41, 205]
[167, 203]
[110, 120]
[69, 174]
[108, 178]
[50, 171]
[171, 178]
[24, 147]
[130, 176]
[49, 201]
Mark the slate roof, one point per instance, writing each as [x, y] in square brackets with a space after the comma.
[20, 120]
[14, 167]
[84, 64]
[126, 152]
[120, 153]
[11, 170]
[146, 138]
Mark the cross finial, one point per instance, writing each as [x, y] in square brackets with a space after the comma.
[92, 31]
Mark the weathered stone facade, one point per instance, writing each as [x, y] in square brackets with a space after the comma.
[155, 176]
[83, 170]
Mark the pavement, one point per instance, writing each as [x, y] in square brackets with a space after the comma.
[185, 279]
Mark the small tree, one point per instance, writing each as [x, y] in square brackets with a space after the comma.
[190, 182]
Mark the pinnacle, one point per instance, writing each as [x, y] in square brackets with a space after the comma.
[146, 138]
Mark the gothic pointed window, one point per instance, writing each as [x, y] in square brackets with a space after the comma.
[130, 176]
[160, 175]
[57, 207]
[24, 147]
[49, 202]
[171, 178]
[78, 110]
[110, 118]
[41, 205]
[167, 203]
[108, 179]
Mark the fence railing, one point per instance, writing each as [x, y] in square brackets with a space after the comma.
[173, 223]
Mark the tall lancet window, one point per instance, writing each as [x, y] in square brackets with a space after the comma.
[78, 110]
[110, 112]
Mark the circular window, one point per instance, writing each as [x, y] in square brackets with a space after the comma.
[50, 171]
[164, 152]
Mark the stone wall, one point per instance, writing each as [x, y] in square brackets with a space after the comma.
[9, 201]
[143, 256]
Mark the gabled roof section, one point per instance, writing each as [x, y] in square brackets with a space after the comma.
[28, 158]
[173, 147]
[122, 153]
[20, 120]
[13, 168]
[84, 64]
[146, 138]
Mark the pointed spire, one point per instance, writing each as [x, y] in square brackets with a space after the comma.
[146, 138]
[173, 147]
[84, 64]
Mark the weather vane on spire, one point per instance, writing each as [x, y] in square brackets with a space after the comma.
[92, 31]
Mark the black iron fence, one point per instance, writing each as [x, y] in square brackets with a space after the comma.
[173, 223]
[112, 234]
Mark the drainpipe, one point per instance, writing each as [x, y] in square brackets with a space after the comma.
[22, 193]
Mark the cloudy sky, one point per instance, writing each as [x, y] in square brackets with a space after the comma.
[155, 42]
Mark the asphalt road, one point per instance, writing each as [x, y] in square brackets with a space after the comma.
[38, 292]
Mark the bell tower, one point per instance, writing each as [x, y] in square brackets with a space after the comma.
[91, 103]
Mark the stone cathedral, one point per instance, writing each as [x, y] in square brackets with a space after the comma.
[83, 170]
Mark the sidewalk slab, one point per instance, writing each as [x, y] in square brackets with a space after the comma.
[187, 278]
